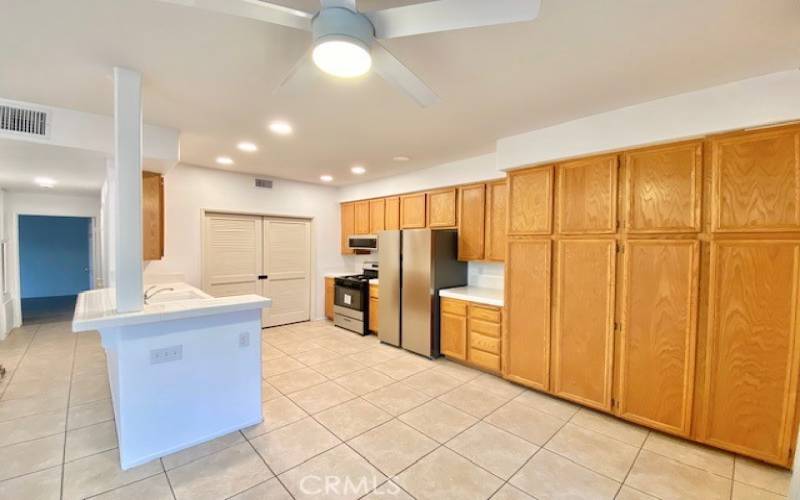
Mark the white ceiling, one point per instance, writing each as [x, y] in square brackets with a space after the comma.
[212, 76]
[76, 170]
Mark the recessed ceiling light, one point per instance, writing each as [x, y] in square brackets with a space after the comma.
[326, 178]
[248, 147]
[358, 170]
[342, 56]
[280, 128]
[45, 182]
[401, 158]
[224, 160]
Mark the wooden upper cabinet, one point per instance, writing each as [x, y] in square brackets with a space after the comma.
[442, 208]
[496, 209]
[392, 220]
[348, 224]
[471, 220]
[526, 342]
[412, 211]
[587, 196]
[658, 333]
[530, 201]
[583, 334]
[752, 347]
[152, 216]
[362, 217]
[663, 188]
[756, 181]
[377, 216]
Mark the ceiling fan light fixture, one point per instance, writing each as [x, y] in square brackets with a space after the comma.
[342, 56]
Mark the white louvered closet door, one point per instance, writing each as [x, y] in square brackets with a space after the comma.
[287, 264]
[232, 255]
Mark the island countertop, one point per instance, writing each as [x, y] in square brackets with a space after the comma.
[96, 309]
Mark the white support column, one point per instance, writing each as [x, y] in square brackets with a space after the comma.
[128, 161]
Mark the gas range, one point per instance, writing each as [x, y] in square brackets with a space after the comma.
[351, 300]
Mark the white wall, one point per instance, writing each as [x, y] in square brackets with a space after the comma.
[188, 190]
[754, 102]
[25, 203]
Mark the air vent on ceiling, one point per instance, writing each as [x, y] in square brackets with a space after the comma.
[23, 120]
[264, 183]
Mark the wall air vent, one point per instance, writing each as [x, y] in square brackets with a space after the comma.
[23, 121]
[264, 183]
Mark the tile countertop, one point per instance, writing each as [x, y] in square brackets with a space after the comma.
[96, 309]
[488, 296]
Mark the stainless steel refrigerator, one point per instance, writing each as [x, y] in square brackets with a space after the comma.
[414, 265]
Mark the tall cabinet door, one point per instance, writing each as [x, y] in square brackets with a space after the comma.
[526, 342]
[471, 222]
[658, 333]
[583, 336]
[756, 181]
[496, 209]
[752, 350]
[287, 267]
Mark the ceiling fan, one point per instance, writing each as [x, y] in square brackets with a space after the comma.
[345, 40]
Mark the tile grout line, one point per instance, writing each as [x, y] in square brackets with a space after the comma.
[169, 481]
[630, 468]
[21, 359]
[66, 417]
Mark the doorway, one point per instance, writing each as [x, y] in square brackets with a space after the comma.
[54, 265]
[268, 256]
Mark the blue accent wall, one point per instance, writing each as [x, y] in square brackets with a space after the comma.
[54, 254]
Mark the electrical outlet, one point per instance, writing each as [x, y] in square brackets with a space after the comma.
[166, 354]
[244, 339]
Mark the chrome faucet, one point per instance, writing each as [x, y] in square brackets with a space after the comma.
[148, 295]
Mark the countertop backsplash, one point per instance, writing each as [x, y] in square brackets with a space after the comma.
[486, 275]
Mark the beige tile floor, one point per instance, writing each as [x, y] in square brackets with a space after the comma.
[346, 417]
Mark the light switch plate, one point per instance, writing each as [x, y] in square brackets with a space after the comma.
[244, 339]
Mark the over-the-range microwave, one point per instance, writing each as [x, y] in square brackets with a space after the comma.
[363, 242]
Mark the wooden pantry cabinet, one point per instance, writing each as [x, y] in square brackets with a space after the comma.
[661, 285]
[373, 308]
[330, 293]
[470, 332]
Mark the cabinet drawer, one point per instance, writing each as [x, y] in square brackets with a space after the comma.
[485, 360]
[373, 291]
[484, 343]
[486, 313]
[453, 306]
[484, 327]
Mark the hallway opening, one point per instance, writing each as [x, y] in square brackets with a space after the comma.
[55, 256]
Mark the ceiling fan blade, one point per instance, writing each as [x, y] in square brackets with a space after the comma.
[397, 74]
[300, 64]
[253, 9]
[347, 4]
[445, 15]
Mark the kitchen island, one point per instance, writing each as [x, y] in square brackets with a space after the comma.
[183, 370]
